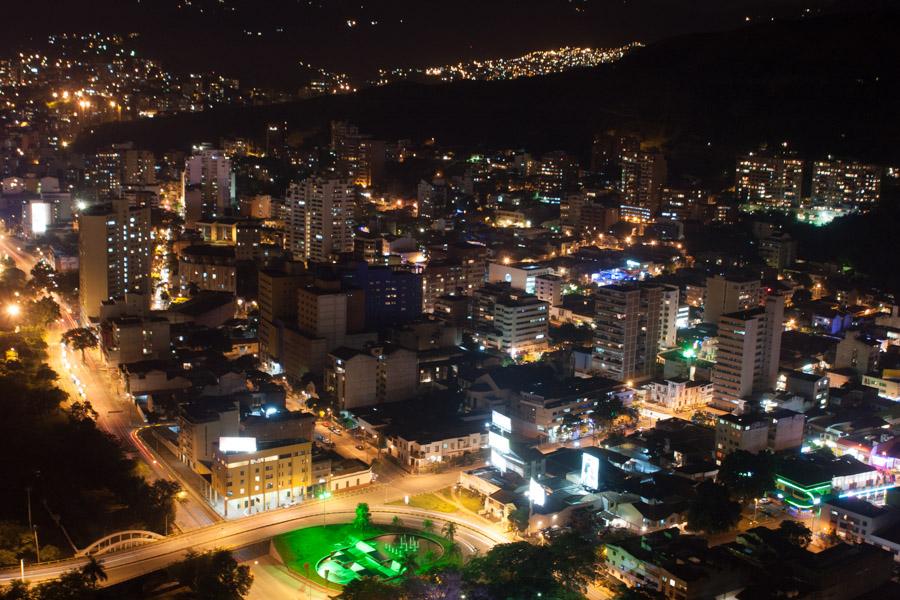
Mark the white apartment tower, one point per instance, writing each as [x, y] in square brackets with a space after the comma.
[668, 317]
[114, 251]
[320, 213]
[626, 333]
[729, 294]
[207, 185]
[749, 344]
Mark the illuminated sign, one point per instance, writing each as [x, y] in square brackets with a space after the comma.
[498, 461]
[536, 492]
[498, 442]
[237, 444]
[503, 422]
[590, 471]
[40, 217]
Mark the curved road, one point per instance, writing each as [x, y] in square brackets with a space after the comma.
[129, 564]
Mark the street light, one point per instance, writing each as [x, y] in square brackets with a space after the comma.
[13, 310]
[323, 496]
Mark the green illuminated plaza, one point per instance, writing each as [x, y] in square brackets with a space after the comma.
[335, 555]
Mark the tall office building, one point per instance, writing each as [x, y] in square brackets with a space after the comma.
[114, 251]
[772, 181]
[320, 213]
[626, 334]
[749, 344]
[837, 183]
[643, 178]
[207, 185]
[729, 293]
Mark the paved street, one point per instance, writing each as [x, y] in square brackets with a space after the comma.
[116, 415]
[131, 563]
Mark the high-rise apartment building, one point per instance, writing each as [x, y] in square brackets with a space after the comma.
[114, 251]
[749, 344]
[626, 334]
[556, 176]
[772, 181]
[138, 168]
[207, 185]
[729, 293]
[607, 151]
[103, 173]
[277, 309]
[837, 183]
[521, 325]
[643, 178]
[668, 316]
[320, 218]
[357, 156]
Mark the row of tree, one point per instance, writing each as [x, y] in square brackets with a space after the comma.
[214, 575]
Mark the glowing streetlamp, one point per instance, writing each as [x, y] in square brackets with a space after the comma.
[13, 310]
[323, 496]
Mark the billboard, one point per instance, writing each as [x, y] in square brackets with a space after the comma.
[237, 444]
[502, 422]
[498, 442]
[590, 471]
[40, 217]
[536, 492]
[498, 461]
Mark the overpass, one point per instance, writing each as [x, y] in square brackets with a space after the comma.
[130, 563]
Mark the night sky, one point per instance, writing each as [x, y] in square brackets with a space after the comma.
[360, 36]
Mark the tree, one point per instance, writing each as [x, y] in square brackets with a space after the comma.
[214, 575]
[363, 518]
[747, 475]
[521, 570]
[42, 276]
[80, 338]
[73, 585]
[575, 561]
[397, 521]
[449, 530]
[712, 510]
[409, 564]
[519, 518]
[80, 411]
[796, 533]
[16, 590]
[93, 570]
[428, 525]
[369, 588]
[42, 312]
[159, 507]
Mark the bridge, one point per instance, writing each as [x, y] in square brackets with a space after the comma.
[121, 540]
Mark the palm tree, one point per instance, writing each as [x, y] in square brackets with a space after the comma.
[409, 564]
[449, 531]
[94, 570]
[428, 525]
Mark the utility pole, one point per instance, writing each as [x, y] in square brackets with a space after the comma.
[37, 547]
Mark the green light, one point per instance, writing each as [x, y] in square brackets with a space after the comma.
[688, 353]
[819, 486]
